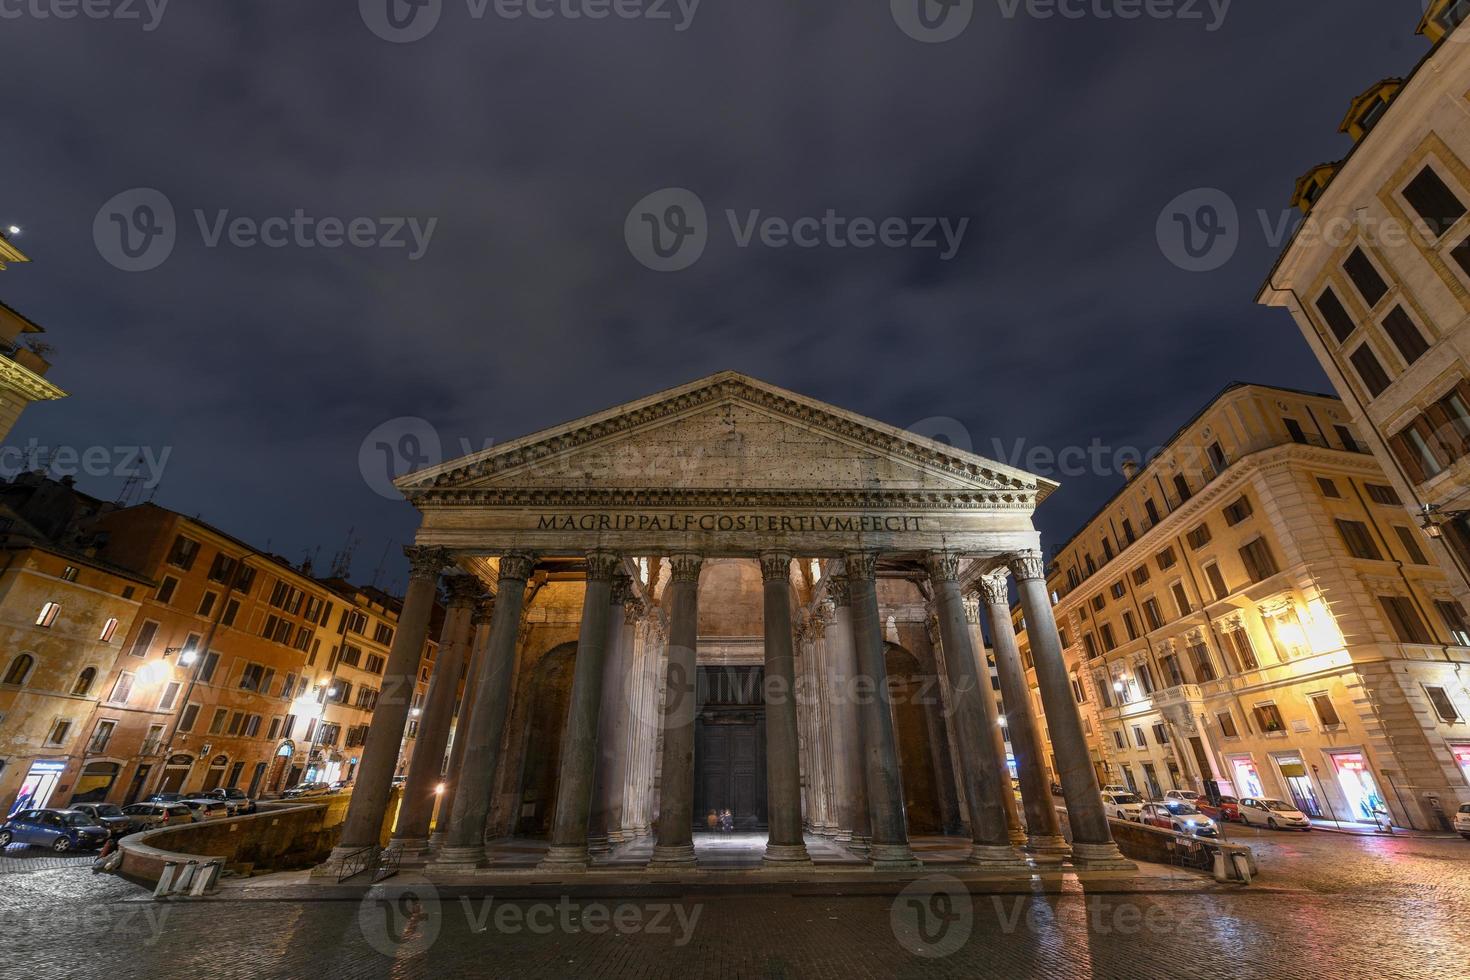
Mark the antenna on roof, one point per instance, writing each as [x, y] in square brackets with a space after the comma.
[132, 487]
[378, 572]
[342, 560]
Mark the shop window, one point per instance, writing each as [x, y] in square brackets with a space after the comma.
[1268, 718]
[1404, 619]
[1443, 706]
[1326, 713]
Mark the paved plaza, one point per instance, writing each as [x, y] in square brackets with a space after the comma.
[1326, 905]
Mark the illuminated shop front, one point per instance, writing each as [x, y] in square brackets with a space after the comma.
[40, 783]
[1298, 783]
[1358, 785]
[1247, 778]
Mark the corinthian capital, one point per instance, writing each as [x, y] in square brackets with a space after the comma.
[994, 589]
[464, 591]
[972, 609]
[426, 563]
[633, 610]
[944, 566]
[601, 565]
[862, 566]
[484, 611]
[622, 588]
[686, 566]
[1028, 565]
[775, 566]
[837, 590]
[517, 566]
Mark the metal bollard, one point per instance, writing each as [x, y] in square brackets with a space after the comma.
[165, 880]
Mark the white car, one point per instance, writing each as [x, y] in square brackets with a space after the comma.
[1123, 806]
[1180, 817]
[1116, 788]
[1462, 821]
[1272, 813]
[1183, 795]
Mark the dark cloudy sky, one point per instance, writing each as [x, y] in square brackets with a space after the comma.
[1059, 321]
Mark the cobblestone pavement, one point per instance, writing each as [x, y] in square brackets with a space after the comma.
[1325, 906]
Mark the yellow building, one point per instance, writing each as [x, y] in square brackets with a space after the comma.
[22, 364]
[1256, 608]
[1377, 278]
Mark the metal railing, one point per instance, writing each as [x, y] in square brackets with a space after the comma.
[376, 862]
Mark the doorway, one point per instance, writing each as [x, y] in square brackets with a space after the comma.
[135, 788]
[1358, 785]
[550, 697]
[175, 771]
[730, 747]
[1298, 784]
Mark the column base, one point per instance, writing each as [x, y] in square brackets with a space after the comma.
[893, 857]
[460, 858]
[599, 845]
[565, 859]
[860, 845]
[1100, 857]
[997, 857]
[1018, 837]
[410, 847]
[672, 856]
[1048, 850]
[616, 837]
[786, 856]
[843, 837]
[437, 839]
[332, 866]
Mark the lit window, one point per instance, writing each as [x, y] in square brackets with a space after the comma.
[108, 628]
[48, 614]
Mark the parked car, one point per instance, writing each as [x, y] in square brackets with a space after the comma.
[1229, 808]
[1272, 813]
[1180, 817]
[341, 786]
[233, 797]
[109, 815]
[1116, 788]
[1187, 795]
[1462, 821]
[60, 830]
[150, 815]
[306, 789]
[166, 798]
[207, 808]
[1123, 806]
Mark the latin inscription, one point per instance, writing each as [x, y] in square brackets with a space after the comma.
[752, 523]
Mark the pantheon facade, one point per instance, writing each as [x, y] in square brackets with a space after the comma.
[728, 604]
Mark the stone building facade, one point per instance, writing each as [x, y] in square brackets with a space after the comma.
[1255, 609]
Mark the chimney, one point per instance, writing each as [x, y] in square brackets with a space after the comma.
[1130, 469]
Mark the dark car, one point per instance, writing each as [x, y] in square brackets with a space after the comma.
[110, 815]
[306, 789]
[150, 815]
[60, 830]
[234, 798]
[207, 807]
[167, 798]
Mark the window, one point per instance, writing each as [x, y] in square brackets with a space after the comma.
[1294, 429]
[251, 678]
[121, 688]
[69, 573]
[1090, 641]
[1181, 487]
[252, 726]
[1079, 693]
[1238, 511]
[1335, 315]
[1107, 550]
[166, 588]
[1165, 559]
[1443, 706]
[183, 553]
[232, 609]
[1152, 510]
[1128, 534]
[108, 628]
[1404, 619]
[1268, 718]
[206, 669]
[20, 669]
[351, 655]
[187, 719]
[1138, 737]
[47, 615]
[376, 663]
[236, 721]
[1104, 690]
[1380, 494]
[1366, 363]
[1199, 536]
[206, 603]
[1410, 541]
[355, 621]
[245, 579]
[1365, 277]
[1151, 613]
[1098, 602]
[1145, 677]
[1170, 663]
[1140, 575]
[275, 729]
[1106, 629]
[222, 567]
[1119, 589]
[59, 732]
[1227, 724]
[144, 639]
[217, 725]
[1216, 580]
[1259, 562]
[1242, 652]
[1130, 625]
[170, 692]
[1204, 670]
[1328, 488]
[1217, 457]
[1326, 713]
[1359, 542]
[1435, 202]
[1405, 335]
[84, 682]
[1349, 441]
[1181, 599]
[1161, 733]
[1118, 739]
[1453, 615]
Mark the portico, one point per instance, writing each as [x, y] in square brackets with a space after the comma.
[646, 559]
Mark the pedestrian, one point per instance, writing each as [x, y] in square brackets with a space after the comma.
[727, 821]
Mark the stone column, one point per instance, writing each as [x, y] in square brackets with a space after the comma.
[426, 767]
[848, 772]
[606, 826]
[890, 847]
[975, 720]
[464, 843]
[675, 841]
[1092, 838]
[1013, 809]
[786, 846]
[369, 804]
[480, 622]
[578, 764]
[1044, 841]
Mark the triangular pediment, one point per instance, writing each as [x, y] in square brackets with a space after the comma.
[727, 432]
